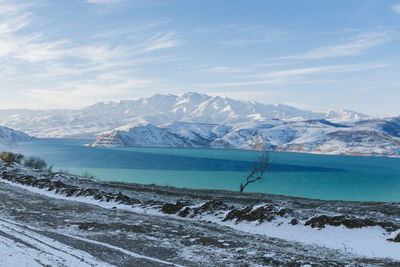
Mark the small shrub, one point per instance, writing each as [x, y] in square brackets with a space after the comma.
[9, 157]
[36, 163]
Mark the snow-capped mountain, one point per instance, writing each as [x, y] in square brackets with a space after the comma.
[9, 137]
[363, 137]
[157, 110]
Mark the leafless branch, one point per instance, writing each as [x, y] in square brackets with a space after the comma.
[262, 164]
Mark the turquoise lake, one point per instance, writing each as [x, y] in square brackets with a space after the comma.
[292, 174]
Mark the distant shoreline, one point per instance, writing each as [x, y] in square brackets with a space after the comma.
[353, 154]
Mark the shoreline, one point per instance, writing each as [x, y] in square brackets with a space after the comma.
[350, 154]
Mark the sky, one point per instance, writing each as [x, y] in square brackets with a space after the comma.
[311, 54]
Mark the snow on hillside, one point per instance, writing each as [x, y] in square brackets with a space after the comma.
[157, 110]
[9, 137]
[368, 136]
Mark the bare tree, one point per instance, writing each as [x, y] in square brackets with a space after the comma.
[262, 164]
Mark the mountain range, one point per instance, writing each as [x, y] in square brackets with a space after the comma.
[88, 122]
[200, 120]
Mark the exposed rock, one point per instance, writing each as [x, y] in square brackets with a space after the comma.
[185, 212]
[395, 237]
[321, 221]
[210, 207]
[170, 208]
[260, 214]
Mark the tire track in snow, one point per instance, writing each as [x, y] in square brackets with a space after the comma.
[42, 239]
[54, 249]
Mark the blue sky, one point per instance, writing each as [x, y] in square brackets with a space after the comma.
[312, 54]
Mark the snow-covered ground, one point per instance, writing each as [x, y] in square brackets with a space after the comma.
[312, 231]
[20, 245]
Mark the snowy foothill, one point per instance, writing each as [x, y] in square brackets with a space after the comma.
[10, 137]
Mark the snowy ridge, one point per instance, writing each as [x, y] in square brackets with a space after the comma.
[362, 137]
[9, 137]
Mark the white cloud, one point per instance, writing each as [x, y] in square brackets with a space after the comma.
[78, 93]
[293, 75]
[48, 71]
[250, 95]
[320, 69]
[352, 48]
[396, 8]
[128, 31]
[243, 69]
[227, 69]
[103, 1]
[242, 42]
[160, 41]
[243, 35]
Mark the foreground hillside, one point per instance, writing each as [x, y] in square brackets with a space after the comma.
[62, 220]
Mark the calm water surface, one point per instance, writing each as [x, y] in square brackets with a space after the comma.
[292, 174]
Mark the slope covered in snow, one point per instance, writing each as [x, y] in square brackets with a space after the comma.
[9, 137]
[363, 137]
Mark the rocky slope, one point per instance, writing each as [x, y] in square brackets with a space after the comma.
[9, 137]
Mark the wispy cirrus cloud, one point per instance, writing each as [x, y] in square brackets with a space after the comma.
[228, 69]
[103, 1]
[355, 47]
[27, 47]
[162, 40]
[244, 35]
[295, 75]
[243, 69]
[58, 70]
[128, 31]
[396, 8]
[321, 69]
[242, 42]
